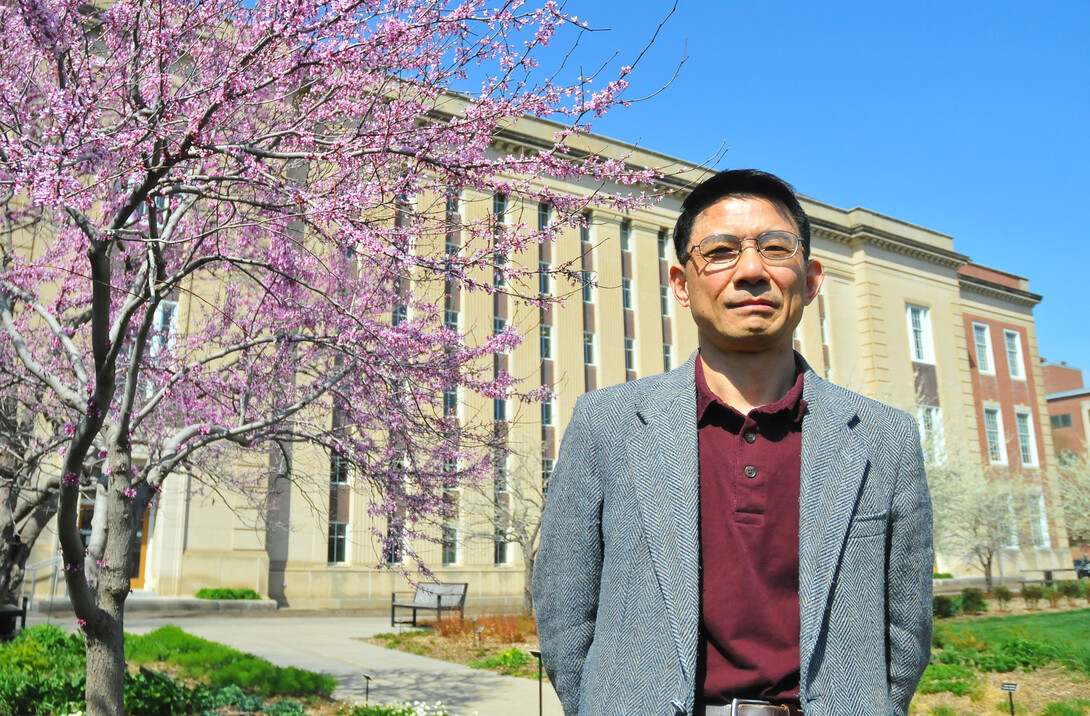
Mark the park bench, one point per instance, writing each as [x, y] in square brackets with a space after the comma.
[8, 614]
[437, 598]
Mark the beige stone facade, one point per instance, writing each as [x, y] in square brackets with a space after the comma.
[891, 322]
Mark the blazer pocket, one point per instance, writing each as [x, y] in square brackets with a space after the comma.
[868, 525]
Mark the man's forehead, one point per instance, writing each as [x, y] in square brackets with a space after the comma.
[714, 211]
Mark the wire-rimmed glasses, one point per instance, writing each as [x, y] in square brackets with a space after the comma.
[724, 249]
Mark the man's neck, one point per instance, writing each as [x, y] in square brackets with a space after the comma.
[745, 381]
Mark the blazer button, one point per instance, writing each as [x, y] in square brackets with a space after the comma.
[750, 471]
[750, 437]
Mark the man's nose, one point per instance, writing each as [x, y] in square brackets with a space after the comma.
[750, 267]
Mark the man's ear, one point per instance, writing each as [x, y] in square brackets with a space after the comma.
[679, 285]
[815, 276]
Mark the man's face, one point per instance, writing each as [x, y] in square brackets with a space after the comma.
[753, 305]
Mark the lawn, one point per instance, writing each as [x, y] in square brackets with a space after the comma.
[171, 674]
[1047, 654]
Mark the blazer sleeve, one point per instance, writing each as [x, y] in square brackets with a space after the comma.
[911, 564]
[568, 567]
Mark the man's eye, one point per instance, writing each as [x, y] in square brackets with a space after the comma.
[775, 249]
[720, 253]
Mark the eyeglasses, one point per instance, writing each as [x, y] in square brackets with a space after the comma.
[723, 249]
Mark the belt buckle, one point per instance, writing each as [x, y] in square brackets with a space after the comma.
[735, 703]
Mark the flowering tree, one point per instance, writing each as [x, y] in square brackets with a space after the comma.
[224, 224]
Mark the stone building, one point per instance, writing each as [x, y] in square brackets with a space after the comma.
[902, 317]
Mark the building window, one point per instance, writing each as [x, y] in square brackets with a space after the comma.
[453, 216]
[450, 544]
[544, 279]
[339, 468]
[1013, 340]
[993, 431]
[584, 228]
[1010, 535]
[547, 413]
[626, 294]
[165, 326]
[982, 340]
[393, 547]
[450, 403]
[587, 279]
[667, 357]
[1063, 420]
[823, 326]
[626, 235]
[547, 465]
[588, 348]
[400, 313]
[499, 259]
[338, 542]
[664, 300]
[919, 334]
[629, 354]
[546, 342]
[930, 420]
[542, 216]
[499, 410]
[1038, 521]
[662, 244]
[450, 319]
[499, 556]
[499, 325]
[1027, 443]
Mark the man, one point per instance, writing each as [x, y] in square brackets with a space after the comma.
[737, 529]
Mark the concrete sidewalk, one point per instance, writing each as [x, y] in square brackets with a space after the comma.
[333, 645]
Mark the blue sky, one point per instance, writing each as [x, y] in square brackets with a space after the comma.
[969, 118]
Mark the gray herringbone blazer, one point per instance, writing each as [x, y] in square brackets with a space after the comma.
[616, 583]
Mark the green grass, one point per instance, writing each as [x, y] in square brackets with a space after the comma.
[1028, 639]
[1067, 708]
[513, 662]
[223, 593]
[221, 665]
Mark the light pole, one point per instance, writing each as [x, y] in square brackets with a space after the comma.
[540, 696]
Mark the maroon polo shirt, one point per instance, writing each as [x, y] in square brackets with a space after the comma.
[749, 546]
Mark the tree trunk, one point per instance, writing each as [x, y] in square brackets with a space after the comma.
[16, 542]
[988, 576]
[105, 689]
[528, 582]
[104, 629]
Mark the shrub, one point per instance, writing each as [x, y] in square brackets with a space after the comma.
[509, 662]
[1086, 588]
[1031, 594]
[942, 575]
[1003, 596]
[149, 693]
[223, 593]
[1070, 591]
[1053, 596]
[944, 607]
[972, 601]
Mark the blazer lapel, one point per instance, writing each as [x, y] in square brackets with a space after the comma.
[665, 463]
[832, 471]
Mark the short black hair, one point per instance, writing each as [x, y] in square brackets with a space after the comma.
[744, 183]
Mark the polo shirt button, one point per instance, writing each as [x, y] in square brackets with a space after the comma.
[750, 436]
[750, 471]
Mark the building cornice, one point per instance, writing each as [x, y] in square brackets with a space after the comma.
[983, 287]
[1077, 393]
[887, 241]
